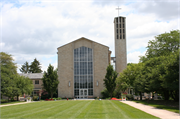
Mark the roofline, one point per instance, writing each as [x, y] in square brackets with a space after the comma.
[81, 38]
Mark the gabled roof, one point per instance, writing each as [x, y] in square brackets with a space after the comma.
[80, 39]
[32, 75]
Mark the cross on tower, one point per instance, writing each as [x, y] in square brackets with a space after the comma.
[118, 13]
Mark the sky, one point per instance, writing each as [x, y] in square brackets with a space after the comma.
[36, 28]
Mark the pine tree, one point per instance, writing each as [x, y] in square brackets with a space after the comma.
[50, 80]
[25, 68]
[110, 79]
[35, 67]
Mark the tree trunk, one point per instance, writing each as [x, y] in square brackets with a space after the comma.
[51, 95]
[17, 97]
[166, 95]
[140, 96]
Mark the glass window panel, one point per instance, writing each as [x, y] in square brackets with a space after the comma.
[83, 63]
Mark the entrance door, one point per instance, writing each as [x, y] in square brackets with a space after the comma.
[83, 93]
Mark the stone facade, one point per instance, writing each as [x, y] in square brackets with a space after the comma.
[101, 59]
[120, 43]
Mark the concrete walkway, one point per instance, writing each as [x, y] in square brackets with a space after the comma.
[161, 113]
[14, 104]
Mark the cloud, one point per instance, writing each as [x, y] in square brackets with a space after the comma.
[164, 10]
[36, 29]
[133, 57]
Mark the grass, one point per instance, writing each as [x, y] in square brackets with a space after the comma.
[74, 109]
[5, 103]
[161, 104]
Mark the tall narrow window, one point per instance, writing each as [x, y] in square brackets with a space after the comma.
[123, 25]
[123, 36]
[120, 25]
[83, 70]
[117, 30]
[116, 25]
[120, 37]
[117, 37]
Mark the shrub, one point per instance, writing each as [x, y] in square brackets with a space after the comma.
[105, 94]
[129, 97]
[35, 98]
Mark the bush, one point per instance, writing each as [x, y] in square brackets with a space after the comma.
[108, 98]
[129, 97]
[35, 98]
[105, 94]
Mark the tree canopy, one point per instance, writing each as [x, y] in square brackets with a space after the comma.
[110, 79]
[158, 70]
[25, 68]
[50, 80]
[33, 68]
[11, 83]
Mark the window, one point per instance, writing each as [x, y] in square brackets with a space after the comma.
[83, 70]
[123, 36]
[120, 30]
[123, 25]
[116, 20]
[120, 25]
[123, 31]
[36, 81]
[117, 30]
[117, 37]
[120, 37]
[120, 19]
[116, 25]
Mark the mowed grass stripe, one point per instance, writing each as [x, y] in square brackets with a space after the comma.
[21, 109]
[74, 109]
[80, 110]
[134, 112]
[120, 112]
[42, 110]
[95, 110]
[69, 110]
[105, 109]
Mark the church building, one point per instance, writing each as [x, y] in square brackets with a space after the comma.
[82, 64]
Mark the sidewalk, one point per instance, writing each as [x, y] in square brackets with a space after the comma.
[14, 104]
[161, 113]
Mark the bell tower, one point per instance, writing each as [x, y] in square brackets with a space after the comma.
[120, 43]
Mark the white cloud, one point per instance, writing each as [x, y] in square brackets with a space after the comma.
[133, 57]
[36, 29]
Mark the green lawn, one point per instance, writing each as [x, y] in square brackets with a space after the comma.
[73, 109]
[12, 102]
[161, 104]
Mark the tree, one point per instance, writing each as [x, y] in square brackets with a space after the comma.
[164, 44]
[25, 68]
[35, 66]
[8, 71]
[50, 80]
[161, 65]
[110, 79]
[130, 77]
[23, 85]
